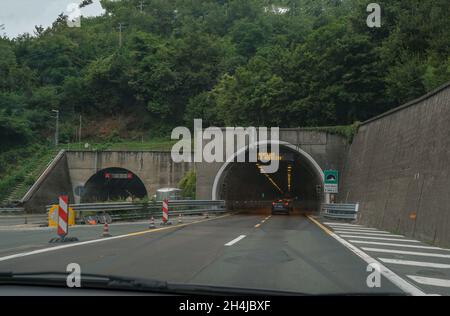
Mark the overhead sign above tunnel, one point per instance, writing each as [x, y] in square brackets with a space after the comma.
[331, 181]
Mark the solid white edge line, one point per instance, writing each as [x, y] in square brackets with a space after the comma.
[387, 273]
[415, 263]
[231, 243]
[396, 245]
[430, 281]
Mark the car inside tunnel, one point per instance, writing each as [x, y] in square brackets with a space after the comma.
[245, 187]
[113, 184]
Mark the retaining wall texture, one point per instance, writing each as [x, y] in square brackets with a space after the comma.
[398, 168]
[55, 184]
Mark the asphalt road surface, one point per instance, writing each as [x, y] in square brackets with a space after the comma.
[289, 253]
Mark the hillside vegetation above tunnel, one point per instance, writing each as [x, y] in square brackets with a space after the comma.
[228, 62]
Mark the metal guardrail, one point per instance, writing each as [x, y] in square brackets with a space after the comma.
[340, 211]
[131, 211]
[10, 216]
[11, 210]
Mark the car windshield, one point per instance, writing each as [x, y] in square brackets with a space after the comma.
[226, 146]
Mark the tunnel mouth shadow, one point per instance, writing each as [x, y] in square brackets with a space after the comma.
[247, 189]
[113, 184]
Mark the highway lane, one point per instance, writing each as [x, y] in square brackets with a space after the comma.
[14, 239]
[252, 251]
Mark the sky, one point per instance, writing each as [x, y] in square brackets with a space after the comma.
[21, 16]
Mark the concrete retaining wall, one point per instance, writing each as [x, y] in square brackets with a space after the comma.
[57, 182]
[398, 168]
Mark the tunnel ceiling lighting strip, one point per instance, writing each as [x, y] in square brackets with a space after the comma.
[270, 179]
[289, 178]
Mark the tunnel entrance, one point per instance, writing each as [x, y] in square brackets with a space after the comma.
[298, 179]
[113, 184]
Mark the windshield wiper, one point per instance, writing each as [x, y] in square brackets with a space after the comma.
[88, 280]
[116, 283]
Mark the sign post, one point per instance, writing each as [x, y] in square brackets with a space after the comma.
[331, 181]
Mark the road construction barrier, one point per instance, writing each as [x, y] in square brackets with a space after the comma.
[340, 211]
[144, 210]
[63, 216]
[165, 211]
[106, 230]
[53, 216]
[63, 221]
[152, 223]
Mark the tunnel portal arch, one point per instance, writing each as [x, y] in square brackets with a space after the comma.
[112, 184]
[309, 165]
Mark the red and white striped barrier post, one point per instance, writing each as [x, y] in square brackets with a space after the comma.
[63, 221]
[63, 216]
[165, 209]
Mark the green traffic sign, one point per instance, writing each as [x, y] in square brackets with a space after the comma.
[331, 176]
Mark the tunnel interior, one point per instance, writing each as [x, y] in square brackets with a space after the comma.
[244, 186]
[113, 184]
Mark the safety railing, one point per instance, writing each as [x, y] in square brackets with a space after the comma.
[11, 210]
[11, 216]
[136, 211]
[340, 211]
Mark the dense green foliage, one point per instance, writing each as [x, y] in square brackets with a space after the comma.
[230, 62]
[188, 184]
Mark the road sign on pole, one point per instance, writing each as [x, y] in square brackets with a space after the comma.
[63, 216]
[331, 181]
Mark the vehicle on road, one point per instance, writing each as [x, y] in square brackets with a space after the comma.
[282, 207]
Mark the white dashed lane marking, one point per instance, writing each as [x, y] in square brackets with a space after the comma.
[231, 243]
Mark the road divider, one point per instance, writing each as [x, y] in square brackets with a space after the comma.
[145, 210]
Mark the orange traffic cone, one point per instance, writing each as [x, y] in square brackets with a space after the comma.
[106, 230]
[152, 223]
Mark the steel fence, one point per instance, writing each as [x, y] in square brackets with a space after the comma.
[340, 211]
